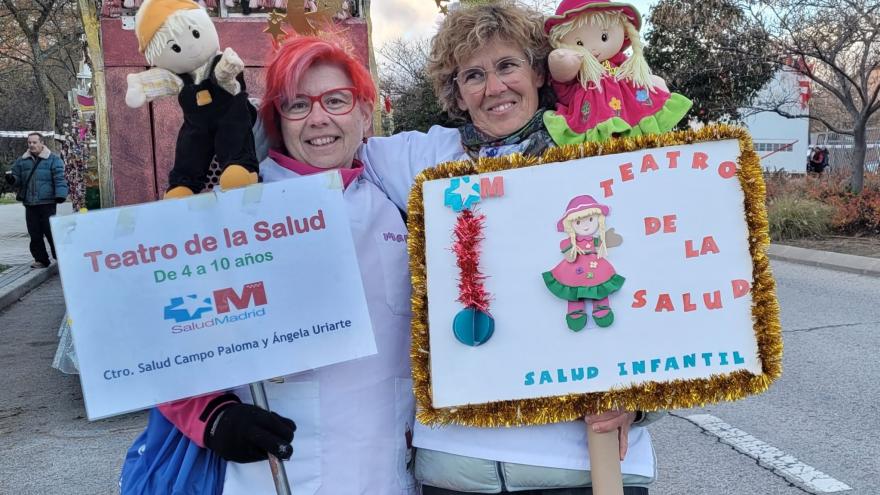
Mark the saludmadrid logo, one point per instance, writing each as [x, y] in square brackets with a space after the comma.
[194, 312]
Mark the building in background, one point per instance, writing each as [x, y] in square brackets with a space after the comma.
[782, 143]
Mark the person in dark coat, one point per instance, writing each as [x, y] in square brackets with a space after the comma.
[818, 161]
[38, 176]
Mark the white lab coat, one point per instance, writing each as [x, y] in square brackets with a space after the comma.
[354, 418]
[393, 162]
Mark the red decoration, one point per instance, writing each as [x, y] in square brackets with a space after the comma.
[804, 71]
[468, 233]
[806, 92]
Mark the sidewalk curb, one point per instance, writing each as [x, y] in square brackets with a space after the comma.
[862, 265]
[26, 282]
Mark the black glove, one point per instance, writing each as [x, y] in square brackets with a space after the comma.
[246, 433]
[10, 179]
[60, 200]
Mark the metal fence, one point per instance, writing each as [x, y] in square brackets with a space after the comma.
[840, 149]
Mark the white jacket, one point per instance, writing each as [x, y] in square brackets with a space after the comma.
[393, 162]
[353, 418]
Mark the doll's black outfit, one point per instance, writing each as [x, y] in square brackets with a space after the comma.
[215, 123]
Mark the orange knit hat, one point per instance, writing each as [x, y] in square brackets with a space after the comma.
[152, 14]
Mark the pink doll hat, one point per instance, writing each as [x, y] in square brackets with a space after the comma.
[569, 9]
[580, 203]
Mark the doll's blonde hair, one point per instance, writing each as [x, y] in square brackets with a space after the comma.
[566, 224]
[634, 68]
[176, 24]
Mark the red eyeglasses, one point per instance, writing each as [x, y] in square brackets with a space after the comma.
[337, 101]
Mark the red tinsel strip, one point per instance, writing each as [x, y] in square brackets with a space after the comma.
[468, 234]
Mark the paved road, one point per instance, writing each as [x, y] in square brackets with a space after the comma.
[822, 411]
[48, 446]
[13, 235]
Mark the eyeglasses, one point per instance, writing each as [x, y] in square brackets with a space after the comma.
[337, 101]
[473, 80]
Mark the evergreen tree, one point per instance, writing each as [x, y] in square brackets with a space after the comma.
[698, 47]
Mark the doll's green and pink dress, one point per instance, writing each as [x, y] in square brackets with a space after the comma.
[616, 108]
[588, 277]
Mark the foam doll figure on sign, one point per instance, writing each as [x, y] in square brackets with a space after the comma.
[178, 38]
[603, 93]
[585, 274]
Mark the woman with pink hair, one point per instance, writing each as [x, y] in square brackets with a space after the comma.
[353, 419]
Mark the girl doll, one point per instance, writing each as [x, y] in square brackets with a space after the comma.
[603, 93]
[584, 273]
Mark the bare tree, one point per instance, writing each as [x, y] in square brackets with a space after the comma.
[42, 36]
[836, 44]
[403, 78]
[402, 63]
[546, 7]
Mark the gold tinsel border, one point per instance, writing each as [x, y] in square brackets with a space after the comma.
[649, 396]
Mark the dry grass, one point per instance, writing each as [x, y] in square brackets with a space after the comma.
[793, 217]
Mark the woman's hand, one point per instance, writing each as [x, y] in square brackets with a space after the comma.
[564, 64]
[246, 433]
[610, 421]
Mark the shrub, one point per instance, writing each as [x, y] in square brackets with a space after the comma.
[792, 217]
[852, 213]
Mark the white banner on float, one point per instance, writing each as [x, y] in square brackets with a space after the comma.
[184, 297]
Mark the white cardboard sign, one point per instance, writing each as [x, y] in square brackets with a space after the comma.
[178, 298]
[683, 312]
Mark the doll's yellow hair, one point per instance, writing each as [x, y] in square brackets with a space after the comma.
[602, 251]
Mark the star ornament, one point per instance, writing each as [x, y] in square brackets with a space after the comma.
[274, 28]
[462, 193]
[311, 23]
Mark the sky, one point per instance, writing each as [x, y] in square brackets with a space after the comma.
[413, 19]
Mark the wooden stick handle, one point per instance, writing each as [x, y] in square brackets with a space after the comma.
[605, 462]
